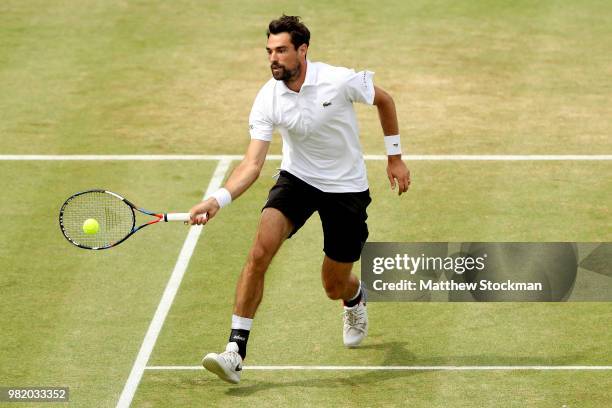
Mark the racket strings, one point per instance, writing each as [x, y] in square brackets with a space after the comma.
[115, 218]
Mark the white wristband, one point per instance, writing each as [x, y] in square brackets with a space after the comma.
[222, 196]
[393, 145]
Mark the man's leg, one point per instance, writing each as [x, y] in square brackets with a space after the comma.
[340, 283]
[273, 229]
[343, 216]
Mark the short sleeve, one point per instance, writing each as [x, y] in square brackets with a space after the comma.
[260, 124]
[360, 87]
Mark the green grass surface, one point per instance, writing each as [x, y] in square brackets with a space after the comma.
[414, 389]
[77, 318]
[482, 77]
[479, 76]
[72, 317]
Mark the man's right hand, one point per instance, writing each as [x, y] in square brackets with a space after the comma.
[204, 211]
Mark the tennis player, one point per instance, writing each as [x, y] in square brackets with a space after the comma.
[311, 105]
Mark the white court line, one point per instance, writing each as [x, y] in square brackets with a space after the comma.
[114, 157]
[168, 297]
[408, 157]
[393, 368]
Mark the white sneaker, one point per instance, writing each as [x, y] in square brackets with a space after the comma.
[355, 327]
[227, 365]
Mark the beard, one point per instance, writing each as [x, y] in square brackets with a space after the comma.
[284, 74]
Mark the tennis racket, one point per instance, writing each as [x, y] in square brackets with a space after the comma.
[114, 215]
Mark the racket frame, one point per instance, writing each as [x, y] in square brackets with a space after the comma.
[158, 218]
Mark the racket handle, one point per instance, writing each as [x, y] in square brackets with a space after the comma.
[176, 217]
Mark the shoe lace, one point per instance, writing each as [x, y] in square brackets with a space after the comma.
[354, 318]
[232, 358]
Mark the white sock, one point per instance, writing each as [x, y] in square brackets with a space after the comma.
[241, 323]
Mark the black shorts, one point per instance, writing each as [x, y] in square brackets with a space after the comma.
[343, 215]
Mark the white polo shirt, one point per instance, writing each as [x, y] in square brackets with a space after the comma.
[318, 125]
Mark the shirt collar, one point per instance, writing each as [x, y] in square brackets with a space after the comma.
[310, 80]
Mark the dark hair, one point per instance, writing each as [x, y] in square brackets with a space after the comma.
[290, 24]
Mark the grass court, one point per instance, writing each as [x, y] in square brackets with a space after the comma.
[159, 78]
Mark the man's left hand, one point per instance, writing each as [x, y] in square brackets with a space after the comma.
[398, 174]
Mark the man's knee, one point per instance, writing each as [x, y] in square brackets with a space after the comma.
[259, 258]
[273, 230]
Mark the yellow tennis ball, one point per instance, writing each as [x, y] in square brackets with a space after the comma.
[91, 226]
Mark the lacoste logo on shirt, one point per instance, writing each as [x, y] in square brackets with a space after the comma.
[395, 144]
[326, 104]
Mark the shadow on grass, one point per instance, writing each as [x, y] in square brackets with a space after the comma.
[359, 378]
[396, 354]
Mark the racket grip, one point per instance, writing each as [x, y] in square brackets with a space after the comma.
[176, 217]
